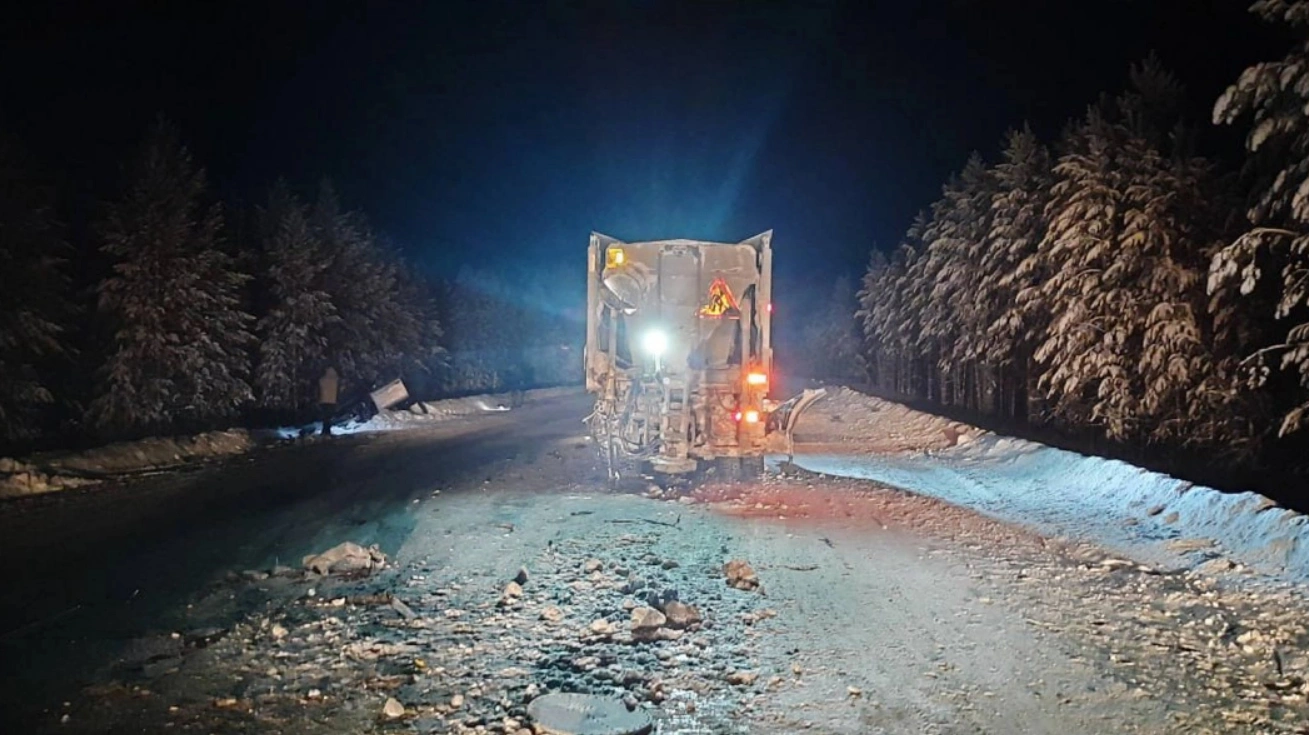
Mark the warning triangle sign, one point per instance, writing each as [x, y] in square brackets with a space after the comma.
[721, 301]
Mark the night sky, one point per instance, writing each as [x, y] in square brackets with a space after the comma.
[484, 133]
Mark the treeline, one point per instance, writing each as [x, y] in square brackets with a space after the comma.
[513, 327]
[174, 313]
[1114, 282]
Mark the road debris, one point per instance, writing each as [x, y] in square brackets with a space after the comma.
[345, 558]
[646, 622]
[681, 615]
[586, 714]
[405, 611]
[740, 575]
[883, 632]
[742, 678]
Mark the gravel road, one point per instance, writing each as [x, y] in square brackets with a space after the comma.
[177, 603]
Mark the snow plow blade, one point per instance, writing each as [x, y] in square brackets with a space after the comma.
[787, 414]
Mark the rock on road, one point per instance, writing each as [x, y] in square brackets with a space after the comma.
[177, 603]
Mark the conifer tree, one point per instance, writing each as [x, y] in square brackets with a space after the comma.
[378, 329]
[1126, 348]
[177, 356]
[33, 297]
[1272, 256]
[832, 339]
[293, 329]
[1010, 271]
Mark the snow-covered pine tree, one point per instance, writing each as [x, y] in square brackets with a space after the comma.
[958, 296]
[1011, 269]
[1087, 351]
[934, 327]
[33, 296]
[832, 338]
[472, 327]
[426, 358]
[1126, 347]
[177, 357]
[411, 331]
[376, 326]
[1235, 411]
[887, 312]
[293, 327]
[953, 237]
[875, 354]
[1177, 363]
[1273, 254]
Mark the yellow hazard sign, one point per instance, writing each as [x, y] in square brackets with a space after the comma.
[721, 301]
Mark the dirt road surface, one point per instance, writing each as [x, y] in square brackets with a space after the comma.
[178, 603]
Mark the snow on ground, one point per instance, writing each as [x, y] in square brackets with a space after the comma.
[22, 478]
[53, 471]
[425, 412]
[1149, 516]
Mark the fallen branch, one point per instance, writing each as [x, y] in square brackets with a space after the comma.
[792, 567]
[646, 520]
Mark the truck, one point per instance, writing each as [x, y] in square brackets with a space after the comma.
[679, 354]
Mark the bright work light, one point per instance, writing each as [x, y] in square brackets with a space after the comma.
[615, 257]
[655, 342]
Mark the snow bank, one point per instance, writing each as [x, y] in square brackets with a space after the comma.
[154, 453]
[847, 416]
[62, 470]
[434, 411]
[54, 471]
[21, 478]
[1150, 516]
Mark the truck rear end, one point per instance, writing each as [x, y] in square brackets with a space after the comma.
[679, 353]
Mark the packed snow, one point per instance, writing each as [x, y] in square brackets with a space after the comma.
[1152, 517]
